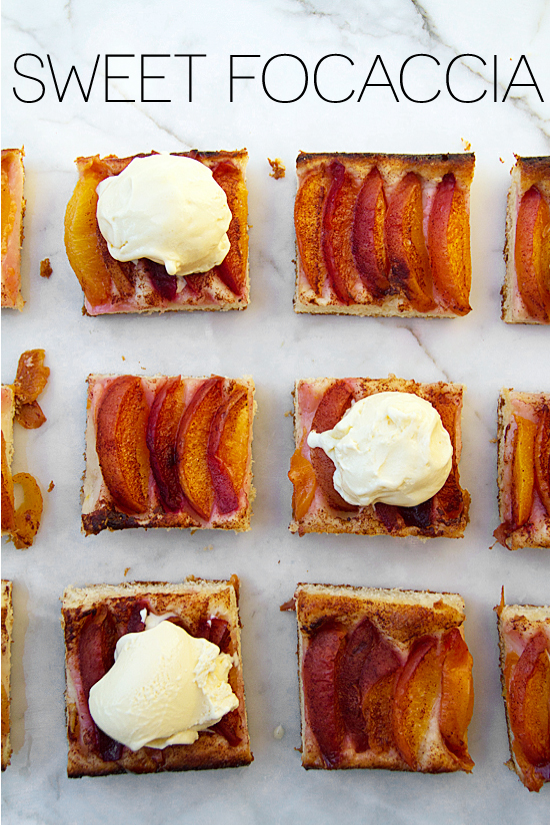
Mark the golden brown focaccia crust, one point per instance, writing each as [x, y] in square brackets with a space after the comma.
[13, 211]
[198, 605]
[7, 627]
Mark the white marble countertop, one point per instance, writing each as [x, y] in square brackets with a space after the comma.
[276, 346]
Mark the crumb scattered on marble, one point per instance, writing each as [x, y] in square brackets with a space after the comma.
[126, 569]
[50, 488]
[278, 169]
[500, 159]
[45, 268]
[466, 144]
[209, 547]
[288, 412]
[279, 732]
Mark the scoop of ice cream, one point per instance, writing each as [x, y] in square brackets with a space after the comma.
[163, 688]
[390, 447]
[166, 208]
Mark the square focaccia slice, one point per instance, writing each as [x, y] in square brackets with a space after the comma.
[95, 617]
[524, 642]
[385, 679]
[7, 627]
[383, 234]
[168, 451]
[523, 469]
[13, 210]
[526, 288]
[317, 507]
[111, 286]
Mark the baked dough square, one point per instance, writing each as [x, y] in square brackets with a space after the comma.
[324, 510]
[13, 210]
[526, 289]
[94, 617]
[385, 679]
[7, 627]
[168, 451]
[523, 469]
[524, 644]
[144, 286]
[383, 235]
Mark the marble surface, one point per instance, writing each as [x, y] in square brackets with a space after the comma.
[274, 345]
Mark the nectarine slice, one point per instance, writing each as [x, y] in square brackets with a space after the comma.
[532, 254]
[302, 476]
[192, 446]
[457, 696]
[359, 644]
[523, 470]
[27, 516]
[368, 236]
[308, 222]
[529, 700]
[232, 270]
[410, 266]
[162, 430]
[121, 422]
[336, 233]
[542, 459]
[8, 507]
[228, 448]
[449, 245]
[334, 403]
[416, 691]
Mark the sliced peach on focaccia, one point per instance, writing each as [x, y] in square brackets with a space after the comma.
[232, 270]
[308, 222]
[337, 225]
[523, 470]
[532, 254]
[410, 265]
[121, 422]
[457, 695]
[228, 446]
[449, 245]
[542, 459]
[529, 700]
[369, 240]
[192, 446]
[162, 430]
[302, 476]
[8, 506]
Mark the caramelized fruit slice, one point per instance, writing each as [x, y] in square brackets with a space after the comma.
[228, 448]
[449, 245]
[457, 696]
[320, 695]
[523, 470]
[416, 691]
[192, 446]
[336, 231]
[27, 516]
[532, 254]
[359, 644]
[542, 458]
[334, 403]
[8, 506]
[302, 476]
[162, 430]
[121, 422]
[529, 700]
[376, 685]
[410, 266]
[232, 270]
[30, 380]
[368, 236]
[308, 222]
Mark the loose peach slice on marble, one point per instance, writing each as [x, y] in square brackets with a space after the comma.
[542, 458]
[228, 446]
[532, 254]
[27, 516]
[368, 236]
[457, 696]
[162, 430]
[336, 232]
[410, 265]
[192, 446]
[308, 222]
[121, 423]
[529, 700]
[523, 470]
[449, 245]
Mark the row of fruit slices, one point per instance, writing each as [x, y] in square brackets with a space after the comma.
[197, 449]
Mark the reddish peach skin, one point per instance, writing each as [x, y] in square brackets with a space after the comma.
[308, 222]
[542, 459]
[336, 231]
[368, 241]
[232, 270]
[227, 450]
[192, 446]
[449, 246]
[162, 429]
[532, 254]
[410, 266]
[529, 701]
[121, 422]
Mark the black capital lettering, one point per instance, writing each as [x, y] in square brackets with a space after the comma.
[233, 77]
[306, 79]
[30, 77]
[531, 75]
[377, 59]
[448, 79]
[190, 56]
[328, 99]
[402, 73]
[115, 77]
[61, 95]
[145, 77]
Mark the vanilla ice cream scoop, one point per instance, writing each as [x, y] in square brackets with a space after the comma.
[166, 208]
[163, 688]
[390, 447]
